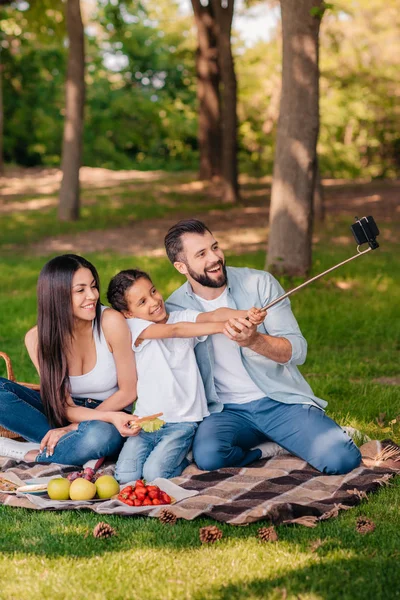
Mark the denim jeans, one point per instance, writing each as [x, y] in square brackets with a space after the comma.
[22, 411]
[161, 453]
[225, 439]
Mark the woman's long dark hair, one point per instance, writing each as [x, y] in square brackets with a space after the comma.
[56, 330]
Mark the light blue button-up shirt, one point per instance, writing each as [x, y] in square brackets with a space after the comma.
[281, 382]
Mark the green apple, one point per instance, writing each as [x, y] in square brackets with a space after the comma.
[58, 489]
[82, 489]
[107, 486]
[153, 425]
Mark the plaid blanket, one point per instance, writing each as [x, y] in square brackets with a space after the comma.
[283, 489]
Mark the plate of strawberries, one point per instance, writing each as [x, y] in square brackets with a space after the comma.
[141, 494]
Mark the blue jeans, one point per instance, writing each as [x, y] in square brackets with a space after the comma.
[225, 439]
[21, 411]
[161, 453]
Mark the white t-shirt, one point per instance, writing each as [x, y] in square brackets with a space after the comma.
[169, 379]
[232, 382]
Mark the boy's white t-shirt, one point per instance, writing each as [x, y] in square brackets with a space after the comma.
[232, 381]
[169, 379]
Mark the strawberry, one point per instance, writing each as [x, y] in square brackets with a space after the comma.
[153, 494]
[140, 482]
[165, 498]
[147, 502]
[127, 490]
[157, 501]
[137, 502]
[153, 488]
[140, 495]
[129, 502]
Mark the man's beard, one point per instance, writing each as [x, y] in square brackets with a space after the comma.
[205, 280]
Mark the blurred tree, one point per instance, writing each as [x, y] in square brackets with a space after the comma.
[208, 95]
[223, 11]
[318, 195]
[289, 244]
[68, 209]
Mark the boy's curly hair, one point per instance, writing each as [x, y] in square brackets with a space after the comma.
[120, 284]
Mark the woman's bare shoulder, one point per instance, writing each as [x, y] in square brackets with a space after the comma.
[31, 337]
[112, 318]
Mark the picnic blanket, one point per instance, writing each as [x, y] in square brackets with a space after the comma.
[282, 489]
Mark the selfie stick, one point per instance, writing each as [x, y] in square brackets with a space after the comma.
[364, 230]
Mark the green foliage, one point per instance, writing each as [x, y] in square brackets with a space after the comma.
[359, 89]
[319, 11]
[141, 108]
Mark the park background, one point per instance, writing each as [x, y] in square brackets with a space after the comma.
[156, 147]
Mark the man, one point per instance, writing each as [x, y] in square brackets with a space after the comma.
[253, 386]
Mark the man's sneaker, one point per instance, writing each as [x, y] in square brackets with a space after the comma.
[94, 464]
[14, 449]
[270, 449]
[357, 436]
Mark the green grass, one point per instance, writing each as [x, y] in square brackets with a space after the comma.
[101, 208]
[354, 339]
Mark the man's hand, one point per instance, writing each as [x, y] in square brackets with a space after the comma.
[244, 333]
[53, 436]
[241, 331]
[256, 315]
[122, 421]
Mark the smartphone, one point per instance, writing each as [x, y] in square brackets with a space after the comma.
[365, 230]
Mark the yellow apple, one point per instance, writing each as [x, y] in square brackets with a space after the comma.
[58, 489]
[107, 486]
[82, 489]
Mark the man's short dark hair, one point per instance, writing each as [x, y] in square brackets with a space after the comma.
[173, 239]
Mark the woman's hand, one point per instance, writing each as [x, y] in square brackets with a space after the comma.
[52, 437]
[124, 423]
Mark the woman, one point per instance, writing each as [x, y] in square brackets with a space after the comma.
[83, 354]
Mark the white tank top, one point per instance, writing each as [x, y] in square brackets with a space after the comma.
[101, 382]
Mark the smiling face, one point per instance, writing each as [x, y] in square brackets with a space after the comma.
[85, 295]
[203, 261]
[145, 302]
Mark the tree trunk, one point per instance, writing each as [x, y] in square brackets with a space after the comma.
[1, 120]
[73, 124]
[318, 201]
[223, 11]
[291, 213]
[208, 78]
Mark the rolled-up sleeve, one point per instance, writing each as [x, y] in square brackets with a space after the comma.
[280, 320]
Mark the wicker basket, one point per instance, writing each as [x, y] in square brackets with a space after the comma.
[10, 375]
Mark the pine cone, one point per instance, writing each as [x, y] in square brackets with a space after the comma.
[103, 530]
[267, 534]
[210, 534]
[365, 525]
[167, 517]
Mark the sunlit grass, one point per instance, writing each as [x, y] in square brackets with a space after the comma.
[350, 320]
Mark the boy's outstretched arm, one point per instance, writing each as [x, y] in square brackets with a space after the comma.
[206, 324]
[182, 329]
[254, 315]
